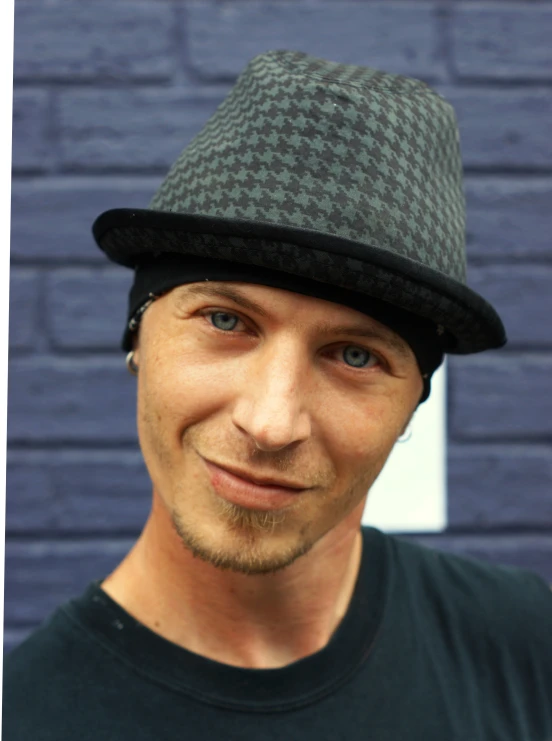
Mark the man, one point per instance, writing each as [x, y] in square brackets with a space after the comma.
[298, 278]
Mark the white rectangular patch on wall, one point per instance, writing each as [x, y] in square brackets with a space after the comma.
[410, 494]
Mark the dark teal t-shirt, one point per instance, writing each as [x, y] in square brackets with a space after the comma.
[434, 647]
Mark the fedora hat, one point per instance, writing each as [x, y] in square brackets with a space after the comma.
[345, 175]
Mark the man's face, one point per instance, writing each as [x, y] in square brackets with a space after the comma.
[278, 393]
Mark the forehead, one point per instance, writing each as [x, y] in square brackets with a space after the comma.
[337, 318]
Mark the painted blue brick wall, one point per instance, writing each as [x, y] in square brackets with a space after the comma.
[105, 97]
[93, 41]
[223, 37]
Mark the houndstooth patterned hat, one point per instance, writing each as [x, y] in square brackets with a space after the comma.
[342, 174]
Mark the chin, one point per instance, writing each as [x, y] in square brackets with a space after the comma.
[247, 543]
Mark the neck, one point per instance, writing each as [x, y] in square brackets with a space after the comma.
[250, 621]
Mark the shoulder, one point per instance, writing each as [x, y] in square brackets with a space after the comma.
[41, 680]
[48, 640]
[487, 625]
[511, 602]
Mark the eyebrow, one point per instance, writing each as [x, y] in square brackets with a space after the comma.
[357, 330]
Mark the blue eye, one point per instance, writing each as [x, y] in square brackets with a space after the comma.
[224, 314]
[358, 357]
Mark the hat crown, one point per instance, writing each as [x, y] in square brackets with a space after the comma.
[348, 151]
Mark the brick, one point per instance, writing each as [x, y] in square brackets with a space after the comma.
[71, 399]
[396, 37]
[30, 497]
[41, 575]
[522, 296]
[87, 308]
[77, 491]
[14, 636]
[101, 41]
[508, 217]
[31, 148]
[491, 487]
[531, 552]
[137, 129]
[503, 128]
[500, 396]
[23, 309]
[51, 218]
[507, 42]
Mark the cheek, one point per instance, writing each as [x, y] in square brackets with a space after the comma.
[153, 432]
[361, 437]
[365, 425]
[178, 389]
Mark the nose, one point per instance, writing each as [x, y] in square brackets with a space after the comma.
[272, 406]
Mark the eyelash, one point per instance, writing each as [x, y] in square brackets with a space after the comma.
[210, 312]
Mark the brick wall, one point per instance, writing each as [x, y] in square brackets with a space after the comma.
[106, 94]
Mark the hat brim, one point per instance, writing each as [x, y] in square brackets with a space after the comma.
[472, 325]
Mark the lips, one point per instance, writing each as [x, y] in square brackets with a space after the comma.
[259, 480]
[245, 493]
